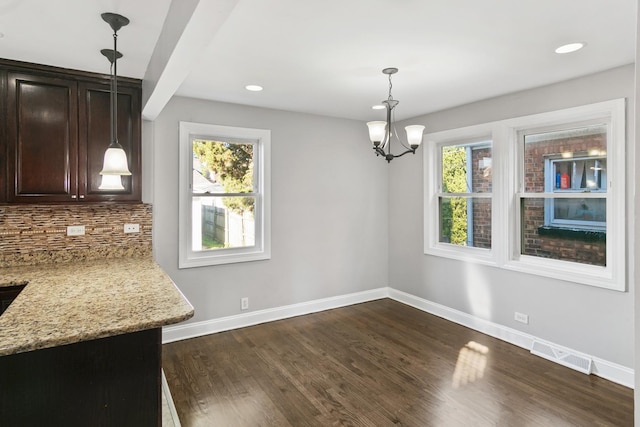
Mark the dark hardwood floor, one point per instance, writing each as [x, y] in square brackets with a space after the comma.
[380, 363]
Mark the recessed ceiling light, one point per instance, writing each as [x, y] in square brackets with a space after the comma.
[571, 47]
[253, 88]
[378, 107]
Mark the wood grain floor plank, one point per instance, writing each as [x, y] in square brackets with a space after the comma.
[380, 363]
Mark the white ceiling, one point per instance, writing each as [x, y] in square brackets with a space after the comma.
[326, 56]
[70, 33]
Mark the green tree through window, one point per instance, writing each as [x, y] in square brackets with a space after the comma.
[230, 164]
[454, 180]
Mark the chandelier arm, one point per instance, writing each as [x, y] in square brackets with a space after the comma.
[379, 151]
[389, 108]
[398, 135]
[412, 151]
[387, 138]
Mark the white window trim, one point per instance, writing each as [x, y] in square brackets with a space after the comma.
[432, 174]
[188, 258]
[506, 169]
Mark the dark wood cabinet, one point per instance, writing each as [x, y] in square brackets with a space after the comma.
[42, 138]
[3, 135]
[95, 137]
[113, 381]
[57, 130]
[7, 295]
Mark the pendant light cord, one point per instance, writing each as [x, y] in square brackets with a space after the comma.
[114, 103]
[111, 104]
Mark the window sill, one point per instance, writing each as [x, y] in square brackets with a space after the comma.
[573, 233]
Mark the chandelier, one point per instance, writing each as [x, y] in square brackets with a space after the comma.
[381, 132]
[115, 159]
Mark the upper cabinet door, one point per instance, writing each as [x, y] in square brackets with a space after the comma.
[42, 139]
[95, 137]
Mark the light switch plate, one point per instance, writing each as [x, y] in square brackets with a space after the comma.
[521, 317]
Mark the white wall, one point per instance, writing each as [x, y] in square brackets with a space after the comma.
[329, 211]
[595, 321]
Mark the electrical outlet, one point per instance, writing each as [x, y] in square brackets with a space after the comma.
[132, 228]
[521, 317]
[75, 230]
[244, 303]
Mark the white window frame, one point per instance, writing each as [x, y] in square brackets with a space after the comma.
[187, 257]
[507, 150]
[433, 193]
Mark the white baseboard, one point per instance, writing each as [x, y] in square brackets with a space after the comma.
[602, 368]
[175, 420]
[196, 329]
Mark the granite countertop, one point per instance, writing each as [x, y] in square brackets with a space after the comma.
[71, 302]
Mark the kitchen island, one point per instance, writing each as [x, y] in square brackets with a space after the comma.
[81, 343]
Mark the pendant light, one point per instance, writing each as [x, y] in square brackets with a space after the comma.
[381, 132]
[115, 159]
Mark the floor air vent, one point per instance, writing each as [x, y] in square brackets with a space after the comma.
[572, 360]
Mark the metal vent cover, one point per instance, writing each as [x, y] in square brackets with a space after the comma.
[570, 359]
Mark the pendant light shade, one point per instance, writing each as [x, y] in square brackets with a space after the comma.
[414, 135]
[115, 162]
[114, 166]
[377, 132]
[111, 182]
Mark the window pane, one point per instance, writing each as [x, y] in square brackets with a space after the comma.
[585, 244]
[222, 167]
[570, 160]
[222, 222]
[465, 221]
[579, 211]
[458, 177]
[579, 174]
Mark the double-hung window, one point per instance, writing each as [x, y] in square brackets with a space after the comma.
[465, 194]
[460, 166]
[563, 197]
[224, 194]
[553, 185]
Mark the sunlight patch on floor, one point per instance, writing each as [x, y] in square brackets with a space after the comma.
[472, 360]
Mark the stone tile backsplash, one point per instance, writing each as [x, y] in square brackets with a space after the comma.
[35, 234]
